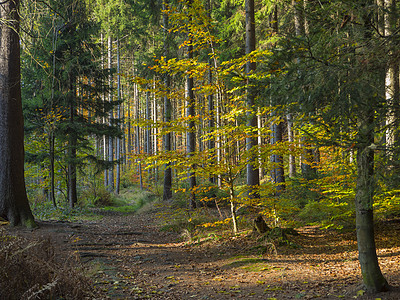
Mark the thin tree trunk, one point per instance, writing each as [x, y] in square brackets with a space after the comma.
[167, 192]
[118, 148]
[191, 133]
[72, 144]
[52, 195]
[147, 141]
[292, 158]
[111, 117]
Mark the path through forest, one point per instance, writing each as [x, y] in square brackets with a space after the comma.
[128, 257]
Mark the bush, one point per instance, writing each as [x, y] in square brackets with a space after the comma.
[95, 197]
[327, 214]
[28, 270]
[209, 192]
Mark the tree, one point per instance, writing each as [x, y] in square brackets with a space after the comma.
[342, 93]
[253, 177]
[191, 133]
[14, 205]
[167, 194]
[277, 172]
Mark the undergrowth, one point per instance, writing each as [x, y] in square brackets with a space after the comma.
[29, 270]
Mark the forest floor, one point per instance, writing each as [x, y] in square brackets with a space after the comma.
[128, 257]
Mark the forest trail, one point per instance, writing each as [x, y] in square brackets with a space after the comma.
[128, 257]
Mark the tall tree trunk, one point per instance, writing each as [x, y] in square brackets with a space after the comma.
[137, 135]
[191, 133]
[118, 148]
[154, 140]
[14, 205]
[253, 177]
[210, 98]
[105, 140]
[52, 196]
[167, 193]
[72, 145]
[365, 188]
[111, 117]
[147, 141]
[277, 172]
[392, 79]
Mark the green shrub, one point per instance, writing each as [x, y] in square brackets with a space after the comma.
[96, 197]
[327, 214]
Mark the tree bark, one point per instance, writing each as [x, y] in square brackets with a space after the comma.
[292, 158]
[191, 133]
[167, 193]
[72, 144]
[14, 205]
[118, 148]
[371, 273]
[277, 172]
[392, 88]
[111, 117]
[253, 177]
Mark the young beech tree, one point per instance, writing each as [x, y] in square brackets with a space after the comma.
[14, 205]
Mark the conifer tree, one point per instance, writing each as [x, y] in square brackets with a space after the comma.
[14, 205]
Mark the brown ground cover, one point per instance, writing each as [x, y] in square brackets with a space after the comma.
[128, 257]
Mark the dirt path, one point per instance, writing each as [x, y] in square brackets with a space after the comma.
[129, 258]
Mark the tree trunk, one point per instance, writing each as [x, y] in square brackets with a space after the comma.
[253, 177]
[111, 117]
[292, 158]
[371, 273]
[191, 133]
[52, 195]
[118, 148]
[391, 79]
[277, 172]
[147, 142]
[72, 144]
[167, 194]
[14, 205]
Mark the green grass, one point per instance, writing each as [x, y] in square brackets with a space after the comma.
[129, 201]
[251, 264]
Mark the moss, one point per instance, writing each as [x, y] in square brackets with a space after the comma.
[30, 223]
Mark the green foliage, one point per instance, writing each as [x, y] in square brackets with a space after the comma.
[328, 214]
[46, 211]
[387, 204]
[131, 200]
[187, 222]
[209, 192]
[95, 197]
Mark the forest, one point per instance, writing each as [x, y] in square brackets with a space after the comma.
[253, 123]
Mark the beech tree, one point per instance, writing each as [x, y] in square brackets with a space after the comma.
[14, 205]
